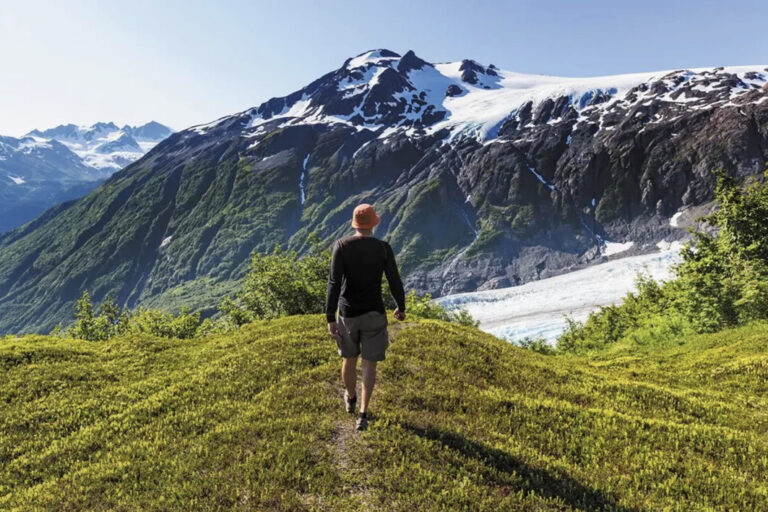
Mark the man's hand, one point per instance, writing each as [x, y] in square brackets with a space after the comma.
[333, 329]
[399, 315]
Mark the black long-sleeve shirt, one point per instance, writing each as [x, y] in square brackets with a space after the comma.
[354, 286]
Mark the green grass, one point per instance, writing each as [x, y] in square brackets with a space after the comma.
[462, 421]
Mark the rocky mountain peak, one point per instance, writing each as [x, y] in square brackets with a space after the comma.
[46, 167]
[383, 91]
[151, 131]
[375, 57]
[410, 62]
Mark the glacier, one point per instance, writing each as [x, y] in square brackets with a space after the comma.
[539, 309]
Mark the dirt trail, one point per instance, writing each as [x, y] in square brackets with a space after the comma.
[345, 438]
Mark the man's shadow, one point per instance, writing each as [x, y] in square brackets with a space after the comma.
[543, 483]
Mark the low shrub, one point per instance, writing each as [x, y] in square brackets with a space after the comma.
[539, 345]
[111, 321]
[424, 307]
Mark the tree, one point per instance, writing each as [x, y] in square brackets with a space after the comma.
[85, 326]
[113, 321]
[282, 283]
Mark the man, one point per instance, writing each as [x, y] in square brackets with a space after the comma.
[354, 287]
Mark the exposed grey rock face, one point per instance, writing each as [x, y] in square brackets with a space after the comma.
[508, 179]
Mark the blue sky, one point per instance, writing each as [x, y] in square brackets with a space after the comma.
[184, 62]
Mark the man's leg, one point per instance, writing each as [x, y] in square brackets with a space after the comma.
[369, 381]
[349, 375]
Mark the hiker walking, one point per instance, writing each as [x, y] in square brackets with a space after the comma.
[354, 287]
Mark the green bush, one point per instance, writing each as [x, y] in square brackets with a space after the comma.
[185, 325]
[112, 321]
[539, 345]
[281, 284]
[424, 307]
[660, 329]
[89, 326]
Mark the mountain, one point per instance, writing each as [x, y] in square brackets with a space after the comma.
[106, 146]
[459, 421]
[48, 167]
[37, 173]
[484, 178]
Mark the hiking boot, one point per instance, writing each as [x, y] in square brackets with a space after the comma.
[350, 402]
[362, 422]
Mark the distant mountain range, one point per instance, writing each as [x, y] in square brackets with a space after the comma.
[484, 178]
[44, 168]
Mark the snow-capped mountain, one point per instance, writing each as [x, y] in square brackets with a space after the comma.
[44, 168]
[380, 90]
[484, 178]
[614, 155]
[105, 146]
[35, 174]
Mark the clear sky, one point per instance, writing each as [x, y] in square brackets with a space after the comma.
[184, 62]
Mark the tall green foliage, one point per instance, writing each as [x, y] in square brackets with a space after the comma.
[722, 280]
[109, 322]
[112, 321]
[280, 284]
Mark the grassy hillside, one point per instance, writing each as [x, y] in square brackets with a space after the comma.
[462, 421]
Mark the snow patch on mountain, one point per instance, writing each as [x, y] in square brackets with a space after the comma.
[673, 221]
[541, 178]
[302, 178]
[611, 248]
[372, 57]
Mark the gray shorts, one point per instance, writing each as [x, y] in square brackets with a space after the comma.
[366, 333]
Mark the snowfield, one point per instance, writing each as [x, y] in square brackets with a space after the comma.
[539, 309]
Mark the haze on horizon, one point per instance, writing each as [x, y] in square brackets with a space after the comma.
[188, 62]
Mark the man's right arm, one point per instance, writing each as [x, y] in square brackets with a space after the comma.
[334, 285]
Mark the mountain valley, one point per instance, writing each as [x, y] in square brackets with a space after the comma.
[484, 178]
